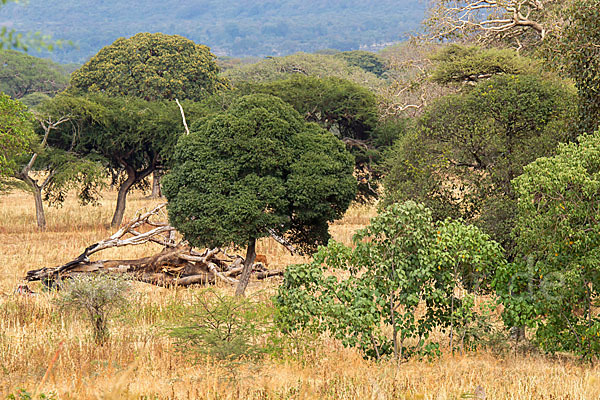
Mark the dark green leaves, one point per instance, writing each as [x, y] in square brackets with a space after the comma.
[259, 166]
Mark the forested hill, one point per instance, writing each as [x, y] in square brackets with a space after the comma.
[238, 28]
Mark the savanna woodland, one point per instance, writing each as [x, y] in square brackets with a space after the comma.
[413, 220]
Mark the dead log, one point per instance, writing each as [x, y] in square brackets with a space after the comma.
[177, 264]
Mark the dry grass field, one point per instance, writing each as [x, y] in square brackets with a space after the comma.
[139, 361]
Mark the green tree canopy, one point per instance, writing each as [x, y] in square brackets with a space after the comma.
[338, 105]
[16, 133]
[469, 146]
[254, 170]
[22, 75]
[317, 65]
[558, 236]
[460, 64]
[151, 66]
[365, 60]
[344, 108]
[123, 132]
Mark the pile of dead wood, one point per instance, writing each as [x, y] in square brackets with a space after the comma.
[177, 264]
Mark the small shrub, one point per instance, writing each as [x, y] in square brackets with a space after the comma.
[226, 328]
[97, 296]
[22, 394]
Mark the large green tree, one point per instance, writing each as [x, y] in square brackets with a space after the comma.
[555, 286]
[469, 146]
[22, 74]
[258, 169]
[151, 66]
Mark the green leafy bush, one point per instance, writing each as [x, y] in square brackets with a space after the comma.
[402, 276]
[22, 394]
[554, 286]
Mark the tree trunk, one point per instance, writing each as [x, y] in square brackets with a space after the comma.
[156, 189]
[39, 208]
[122, 197]
[245, 278]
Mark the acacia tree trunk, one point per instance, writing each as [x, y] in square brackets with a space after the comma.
[245, 278]
[156, 189]
[39, 208]
[122, 197]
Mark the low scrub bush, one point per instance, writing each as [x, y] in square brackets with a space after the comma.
[96, 297]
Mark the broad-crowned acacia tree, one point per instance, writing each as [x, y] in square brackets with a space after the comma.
[151, 66]
[258, 169]
[125, 133]
[22, 75]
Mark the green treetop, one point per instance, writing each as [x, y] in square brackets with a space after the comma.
[255, 170]
[469, 146]
[22, 75]
[151, 66]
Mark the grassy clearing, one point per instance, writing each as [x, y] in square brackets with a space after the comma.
[139, 360]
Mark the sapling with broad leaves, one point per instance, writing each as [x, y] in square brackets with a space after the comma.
[401, 261]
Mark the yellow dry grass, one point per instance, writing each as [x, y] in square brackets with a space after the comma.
[139, 361]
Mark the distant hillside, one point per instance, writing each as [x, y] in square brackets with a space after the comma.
[240, 28]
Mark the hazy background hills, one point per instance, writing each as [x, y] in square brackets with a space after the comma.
[238, 29]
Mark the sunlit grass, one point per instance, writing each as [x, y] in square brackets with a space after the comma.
[140, 359]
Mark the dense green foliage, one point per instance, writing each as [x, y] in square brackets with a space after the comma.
[121, 132]
[259, 166]
[16, 133]
[401, 261]
[242, 28]
[338, 105]
[459, 64]
[559, 241]
[22, 75]
[365, 60]
[152, 67]
[469, 146]
[315, 65]
[579, 48]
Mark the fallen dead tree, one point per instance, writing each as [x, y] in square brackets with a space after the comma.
[176, 265]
